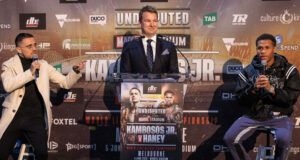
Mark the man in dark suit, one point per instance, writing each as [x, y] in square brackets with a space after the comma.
[149, 53]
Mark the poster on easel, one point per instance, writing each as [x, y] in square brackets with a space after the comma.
[151, 121]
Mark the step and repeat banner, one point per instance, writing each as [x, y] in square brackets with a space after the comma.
[217, 37]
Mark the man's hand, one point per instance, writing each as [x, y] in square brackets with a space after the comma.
[80, 65]
[263, 82]
[34, 66]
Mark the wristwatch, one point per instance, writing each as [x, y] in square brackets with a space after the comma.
[75, 69]
[271, 89]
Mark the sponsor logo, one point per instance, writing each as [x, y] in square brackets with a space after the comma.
[220, 148]
[72, 1]
[80, 146]
[227, 96]
[234, 69]
[152, 89]
[281, 47]
[76, 44]
[64, 121]
[58, 67]
[5, 46]
[210, 18]
[52, 145]
[5, 26]
[285, 18]
[70, 97]
[229, 42]
[33, 21]
[43, 46]
[297, 123]
[98, 19]
[239, 19]
[62, 18]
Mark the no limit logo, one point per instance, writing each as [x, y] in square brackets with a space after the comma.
[32, 21]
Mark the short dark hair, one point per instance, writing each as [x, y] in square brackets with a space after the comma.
[135, 89]
[22, 36]
[169, 91]
[147, 9]
[266, 36]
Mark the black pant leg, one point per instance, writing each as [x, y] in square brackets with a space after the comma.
[9, 139]
[36, 134]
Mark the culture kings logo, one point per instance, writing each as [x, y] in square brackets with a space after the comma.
[285, 18]
[62, 18]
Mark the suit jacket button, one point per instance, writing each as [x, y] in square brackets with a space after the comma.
[20, 96]
[14, 110]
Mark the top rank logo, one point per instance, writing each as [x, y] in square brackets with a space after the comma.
[33, 21]
[239, 19]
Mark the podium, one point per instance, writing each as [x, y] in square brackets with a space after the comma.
[151, 117]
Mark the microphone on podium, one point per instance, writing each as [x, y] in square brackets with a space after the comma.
[35, 58]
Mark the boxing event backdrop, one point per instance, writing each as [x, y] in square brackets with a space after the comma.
[216, 36]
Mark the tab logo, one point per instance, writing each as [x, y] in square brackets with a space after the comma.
[210, 18]
[70, 97]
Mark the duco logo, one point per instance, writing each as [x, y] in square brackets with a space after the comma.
[98, 19]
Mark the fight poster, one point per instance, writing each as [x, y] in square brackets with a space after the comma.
[151, 121]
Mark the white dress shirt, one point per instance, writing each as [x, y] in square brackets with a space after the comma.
[153, 45]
